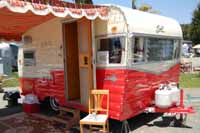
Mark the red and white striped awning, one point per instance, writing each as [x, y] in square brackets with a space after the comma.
[16, 16]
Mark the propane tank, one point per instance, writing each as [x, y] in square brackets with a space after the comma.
[175, 92]
[163, 97]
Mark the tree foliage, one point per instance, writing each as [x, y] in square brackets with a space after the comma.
[195, 26]
[145, 8]
[186, 28]
[84, 1]
[148, 8]
[134, 4]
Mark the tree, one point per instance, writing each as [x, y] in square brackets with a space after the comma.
[145, 8]
[84, 1]
[195, 26]
[134, 4]
[148, 8]
[186, 28]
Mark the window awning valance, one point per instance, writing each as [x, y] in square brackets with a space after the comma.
[16, 16]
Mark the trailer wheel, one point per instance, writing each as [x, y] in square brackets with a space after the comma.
[54, 103]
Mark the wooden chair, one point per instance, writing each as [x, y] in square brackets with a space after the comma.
[98, 115]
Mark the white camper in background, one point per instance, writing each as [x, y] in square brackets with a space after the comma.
[8, 58]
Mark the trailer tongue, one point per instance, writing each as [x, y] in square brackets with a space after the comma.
[178, 110]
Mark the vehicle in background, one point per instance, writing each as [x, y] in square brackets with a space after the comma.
[197, 50]
[8, 58]
[187, 50]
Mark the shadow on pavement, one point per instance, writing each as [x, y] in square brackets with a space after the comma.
[169, 122]
[134, 123]
[10, 110]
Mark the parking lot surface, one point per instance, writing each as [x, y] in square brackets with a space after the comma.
[144, 123]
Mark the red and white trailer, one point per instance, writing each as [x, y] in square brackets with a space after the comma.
[70, 49]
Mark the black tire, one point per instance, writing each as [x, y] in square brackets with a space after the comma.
[54, 104]
[46, 108]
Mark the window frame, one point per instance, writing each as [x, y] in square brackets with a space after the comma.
[34, 58]
[123, 56]
[132, 45]
[162, 60]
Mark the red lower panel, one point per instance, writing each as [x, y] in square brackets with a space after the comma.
[43, 88]
[130, 91]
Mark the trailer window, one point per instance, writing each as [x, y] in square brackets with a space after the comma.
[138, 49]
[109, 50]
[29, 58]
[159, 49]
[153, 50]
[177, 48]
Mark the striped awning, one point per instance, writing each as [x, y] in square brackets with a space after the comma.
[16, 16]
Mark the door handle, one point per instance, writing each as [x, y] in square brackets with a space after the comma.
[85, 60]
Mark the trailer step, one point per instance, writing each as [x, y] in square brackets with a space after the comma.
[67, 116]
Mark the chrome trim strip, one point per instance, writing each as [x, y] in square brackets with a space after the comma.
[137, 67]
[155, 36]
[110, 35]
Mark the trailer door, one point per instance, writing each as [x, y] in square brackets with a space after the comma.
[85, 59]
[78, 61]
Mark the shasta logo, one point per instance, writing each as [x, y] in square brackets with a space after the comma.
[159, 29]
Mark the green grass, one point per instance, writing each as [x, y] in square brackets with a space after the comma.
[190, 80]
[11, 81]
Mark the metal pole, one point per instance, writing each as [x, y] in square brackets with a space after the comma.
[182, 99]
[125, 127]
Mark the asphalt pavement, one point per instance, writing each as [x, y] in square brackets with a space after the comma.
[143, 123]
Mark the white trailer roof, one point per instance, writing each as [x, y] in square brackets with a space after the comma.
[149, 23]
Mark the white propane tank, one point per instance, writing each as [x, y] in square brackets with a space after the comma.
[175, 93]
[163, 97]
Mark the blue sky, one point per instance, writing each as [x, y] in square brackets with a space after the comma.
[181, 10]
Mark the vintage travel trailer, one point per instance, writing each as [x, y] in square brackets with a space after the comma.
[70, 51]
